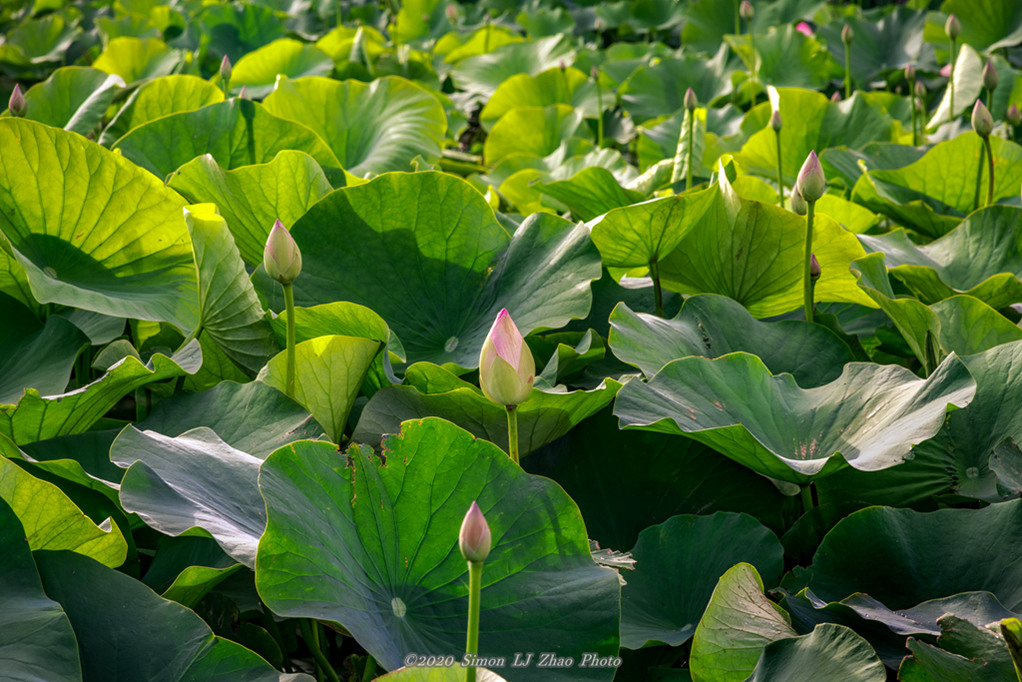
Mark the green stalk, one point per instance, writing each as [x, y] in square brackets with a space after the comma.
[990, 99]
[289, 304]
[990, 166]
[807, 280]
[512, 432]
[271, 627]
[780, 176]
[951, 83]
[654, 272]
[738, 20]
[475, 584]
[848, 70]
[691, 143]
[915, 116]
[979, 177]
[370, 669]
[807, 498]
[599, 115]
[311, 641]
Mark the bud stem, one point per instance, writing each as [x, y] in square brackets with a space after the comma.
[599, 113]
[807, 497]
[691, 116]
[848, 70]
[915, 116]
[475, 584]
[289, 304]
[780, 176]
[654, 273]
[738, 18]
[310, 633]
[951, 84]
[512, 432]
[990, 99]
[807, 280]
[990, 166]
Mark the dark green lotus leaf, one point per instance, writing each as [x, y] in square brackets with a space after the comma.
[324, 553]
[659, 137]
[852, 123]
[127, 632]
[900, 557]
[101, 329]
[235, 133]
[161, 97]
[35, 355]
[645, 16]
[251, 198]
[138, 59]
[371, 128]
[554, 86]
[430, 390]
[257, 71]
[987, 26]
[969, 326]
[981, 258]
[535, 131]
[36, 639]
[659, 89]
[831, 652]
[236, 30]
[871, 414]
[484, 73]
[252, 417]
[436, 265]
[784, 57]
[840, 163]
[590, 192]
[879, 45]
[927, 198]
[14, 282]
[967, 651]
[35, 418]
[329, 371]
[110, 238]
[50, 519]
[74, 98]
[706, 23]
[712, 326]
[195, 582]
[216, 367]
[677, 566]
[37, 41]
[738, 622]
[192, 481]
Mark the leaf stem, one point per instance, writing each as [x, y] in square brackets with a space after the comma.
[738, 21]
[807, 497]
[915, 117]
[691, 115]
[274, 630]
[512, 432]
[289, 304]
[654, 273]
[599, 114]
[311, 641]
[951, 83]
[848, 70]
[807, 280]
[475, 584]
[780, 176]
[979, 177]
[990, 166]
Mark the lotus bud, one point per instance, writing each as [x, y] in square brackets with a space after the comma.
[691, 102]
[836, 97]
[814, 268]
[804, 28]
[775, 121]
[811, 182]
[243, 94]
[281, 257]
[982, 121]
[594, 73]
[452, 14]
[17, 104]
[920, 90]
[847, 34]
[989, 76]
[798, 204]
[506, 366]
[1014, 116]
[474, 539]
[897, 89]
[746, 10]
[910, 73]
[225, 69]
[952, 27]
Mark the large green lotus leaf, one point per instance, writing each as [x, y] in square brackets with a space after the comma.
[371, 128]
[35, 355]
[138, 59]
[436, 265]
[74, 98]
[192, 481]
[430, 390]
[161, 97]
[831, 652]
[329, 370]
[230, 311]
[36, 639]
[251, 198]
[871, 415]
[848, 165]
[706, 23]
[236, 133]
[346, 542]
[257, 71]
[811, 123]
[50, 519]
[927, 198]
[535, 131]
[988, 25]
[968, 326]
[37, 41]
[253, 417]
[669, 476]
[784, 57]
[14, 282]
[35, 418]
[968, 79]
[658, 89]
[589, 193]
[554, 86]
[658, 138]
[108, 238]
[900, 556]
[677, 566]
[879, 45]
[738, 622]
[483, 74]
[981, 258]
[126, 631]
[236, 30]
[967, 651]
[712, 326]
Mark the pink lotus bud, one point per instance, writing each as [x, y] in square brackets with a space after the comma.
[474, 538]
[910, 73]
[225, 69]
[691, 102]
[746, 11]
[452, 14]
[775, 121]
[243, 94]
[982, 121]
[814, 268]
[281, 257]
[946, 70]
[17, 105]
[811, 183]
[847, 35]
[1014, 116]
[920, 90]
[804, 28]
[798, 204]
[989, 76]
[952, 27]
[836, 97]
[506, 366]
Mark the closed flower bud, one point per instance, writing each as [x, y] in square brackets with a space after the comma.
[920, 90]
[910, 73]
[691, 102]
[506, 366]
[746, 10]
[836, 97]
[982, 121]
[952, 27]
[594, 73]
[811, 183]
[846, 35]
[225, 69]
[814, 268]
[474, 539]
[798, 204]
[775, 121]
[243, 93]
[989, 76]
[1014, 116]
[17, 104]
[281, 257]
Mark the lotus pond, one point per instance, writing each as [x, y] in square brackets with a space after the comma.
[693, 325]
